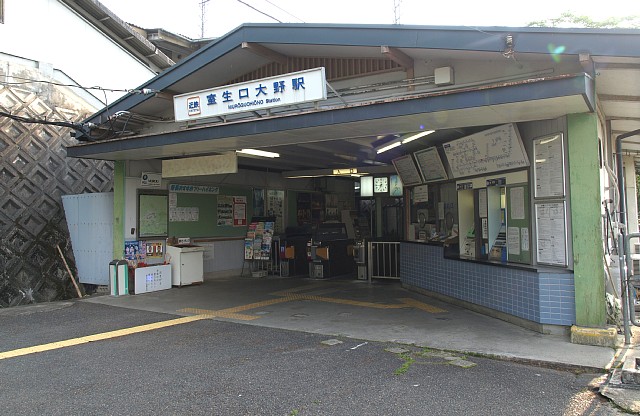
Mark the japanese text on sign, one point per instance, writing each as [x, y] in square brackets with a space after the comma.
[281, 90]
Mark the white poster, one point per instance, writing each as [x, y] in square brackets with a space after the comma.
[524, 237]
[421, 194]
[513, 241]
[482, 203]
[551, 233]
[549, 166]
[516, 203]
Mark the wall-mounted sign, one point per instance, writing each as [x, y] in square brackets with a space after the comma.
[497, 182]
[395, 185]
[493, 150]
[551, 233]
[366, 186]
[282, 90]
[464, 186]
[549, 166]
[194, 189]
[421, 194]
[430, 165]
[150, 180]
[407, 170]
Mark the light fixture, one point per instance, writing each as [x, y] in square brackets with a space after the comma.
[416, 136]
[388, 147]
[256, 152]
[399, 141]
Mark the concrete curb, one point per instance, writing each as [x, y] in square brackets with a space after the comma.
[594, 336]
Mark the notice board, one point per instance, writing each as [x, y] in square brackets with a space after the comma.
[430, 165]
[407, 170]
[493, 150]
[152, 215]
[549, 166]
[551, 233]
[202, 214]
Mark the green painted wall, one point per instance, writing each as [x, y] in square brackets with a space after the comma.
[584, 176]
[118, 209]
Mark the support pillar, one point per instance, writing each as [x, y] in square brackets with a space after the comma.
[584, 168]
[118, 209]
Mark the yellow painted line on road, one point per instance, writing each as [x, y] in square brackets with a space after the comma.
[232, 313]
[422, 306]
[99, 337]
[351, 302]
[221, 314]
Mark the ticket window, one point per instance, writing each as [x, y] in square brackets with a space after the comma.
[467, 223]
[436, 218]
[482, 219]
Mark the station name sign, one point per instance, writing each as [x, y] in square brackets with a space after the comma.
[282, 90]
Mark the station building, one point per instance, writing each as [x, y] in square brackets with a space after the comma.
[485, 154]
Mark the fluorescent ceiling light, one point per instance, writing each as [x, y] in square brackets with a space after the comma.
[256, 152]
[388, 147]
[417, 136]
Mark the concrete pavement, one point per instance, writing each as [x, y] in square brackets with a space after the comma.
[381, 311]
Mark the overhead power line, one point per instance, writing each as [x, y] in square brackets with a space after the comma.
[25, 81]
[259, 11]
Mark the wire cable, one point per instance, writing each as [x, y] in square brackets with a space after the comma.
[259, 11]
[281, 9]
[25, 81]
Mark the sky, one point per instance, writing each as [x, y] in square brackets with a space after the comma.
[221, 16]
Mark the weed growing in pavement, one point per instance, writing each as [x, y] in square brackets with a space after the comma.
[408, 360]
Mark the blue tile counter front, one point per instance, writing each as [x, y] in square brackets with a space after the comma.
[545, 297]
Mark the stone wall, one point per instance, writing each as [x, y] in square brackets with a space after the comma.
[34, 174]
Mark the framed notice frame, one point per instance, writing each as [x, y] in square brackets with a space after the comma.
[430, 164]
[551, 233]
[549, 166]
[407, 170]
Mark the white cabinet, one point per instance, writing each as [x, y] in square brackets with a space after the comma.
[186, 264]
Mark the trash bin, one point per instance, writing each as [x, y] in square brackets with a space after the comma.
[118, 277]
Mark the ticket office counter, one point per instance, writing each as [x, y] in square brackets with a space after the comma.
[489, 264]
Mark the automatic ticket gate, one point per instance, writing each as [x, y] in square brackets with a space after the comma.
[330, 252]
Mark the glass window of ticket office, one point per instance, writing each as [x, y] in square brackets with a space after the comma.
[494, 218]
[433, 212]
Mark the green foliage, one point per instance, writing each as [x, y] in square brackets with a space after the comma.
[568, 19]
[408, 360]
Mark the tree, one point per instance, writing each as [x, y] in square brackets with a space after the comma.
[568, 19]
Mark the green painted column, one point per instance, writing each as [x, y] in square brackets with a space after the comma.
[584, 176]
[118, 209]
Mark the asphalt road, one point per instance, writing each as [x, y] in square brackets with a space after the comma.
[211, 367]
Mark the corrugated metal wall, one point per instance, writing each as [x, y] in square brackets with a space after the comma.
[90, 223]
